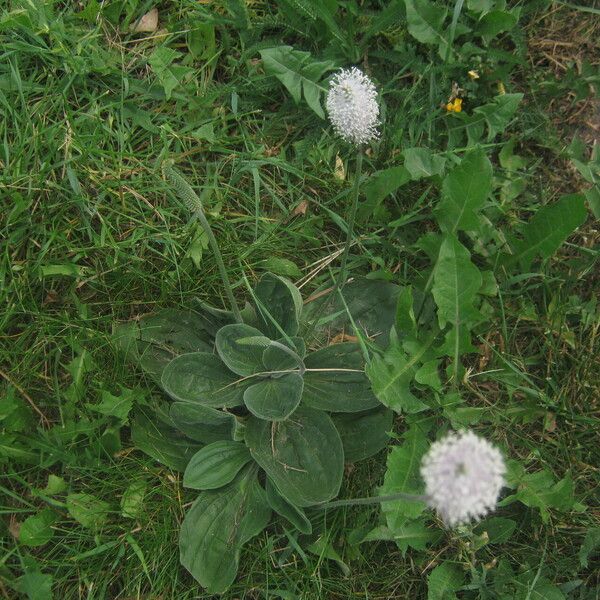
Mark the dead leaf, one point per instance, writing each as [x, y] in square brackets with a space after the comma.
[339, 171]
[550, 422]
[301, 208]
[147, 24]
[51, 297]
[14, 527]
[342, 337]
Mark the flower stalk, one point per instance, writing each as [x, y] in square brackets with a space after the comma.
[463, 477]
[354, 113]
[194, 204]
[374, 500]
[341, 280]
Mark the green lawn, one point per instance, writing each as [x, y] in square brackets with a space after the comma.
[93, 235]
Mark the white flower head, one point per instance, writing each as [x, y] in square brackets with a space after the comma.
[463, 476]
[352, 106]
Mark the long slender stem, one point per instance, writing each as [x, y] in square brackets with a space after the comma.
[194, 204]
[351, 218]
[373, 500]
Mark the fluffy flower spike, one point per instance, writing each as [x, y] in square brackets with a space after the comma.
[352, 106]
[463, 476]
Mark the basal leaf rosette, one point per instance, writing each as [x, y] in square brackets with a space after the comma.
[262, 422]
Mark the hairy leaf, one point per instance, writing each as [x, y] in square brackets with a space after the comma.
[276, 359]
[215, 465]
[202, 423]
[216, 527]
[286, 509]
[274, 399]
[243, 359]
[370, 302]
[162, 441]
[155, 339]
[341, 385]
[202, 378]
[278, 306]
[303, 455]
[363, 434]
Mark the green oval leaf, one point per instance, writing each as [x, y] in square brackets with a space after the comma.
[215, 465]
[88, 510]
[155, 339]
[201, 377]
[216, 527]
[37, 530]
[370, 302]
[274, 399]
[287, 510]
[343, 386]
[202, 423]
[276, 359]
[160, 440]
[243, 359]
[278, 306]
[302, 455]
[364, 434]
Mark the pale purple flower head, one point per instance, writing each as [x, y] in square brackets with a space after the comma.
[352, 106]
[463, 476]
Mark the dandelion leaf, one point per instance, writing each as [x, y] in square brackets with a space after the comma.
[298, 72]
[464, 191]
[547, 230]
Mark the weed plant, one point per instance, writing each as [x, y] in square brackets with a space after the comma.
[483, 187]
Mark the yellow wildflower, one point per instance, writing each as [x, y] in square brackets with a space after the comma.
[473, 74]
[455, 106]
